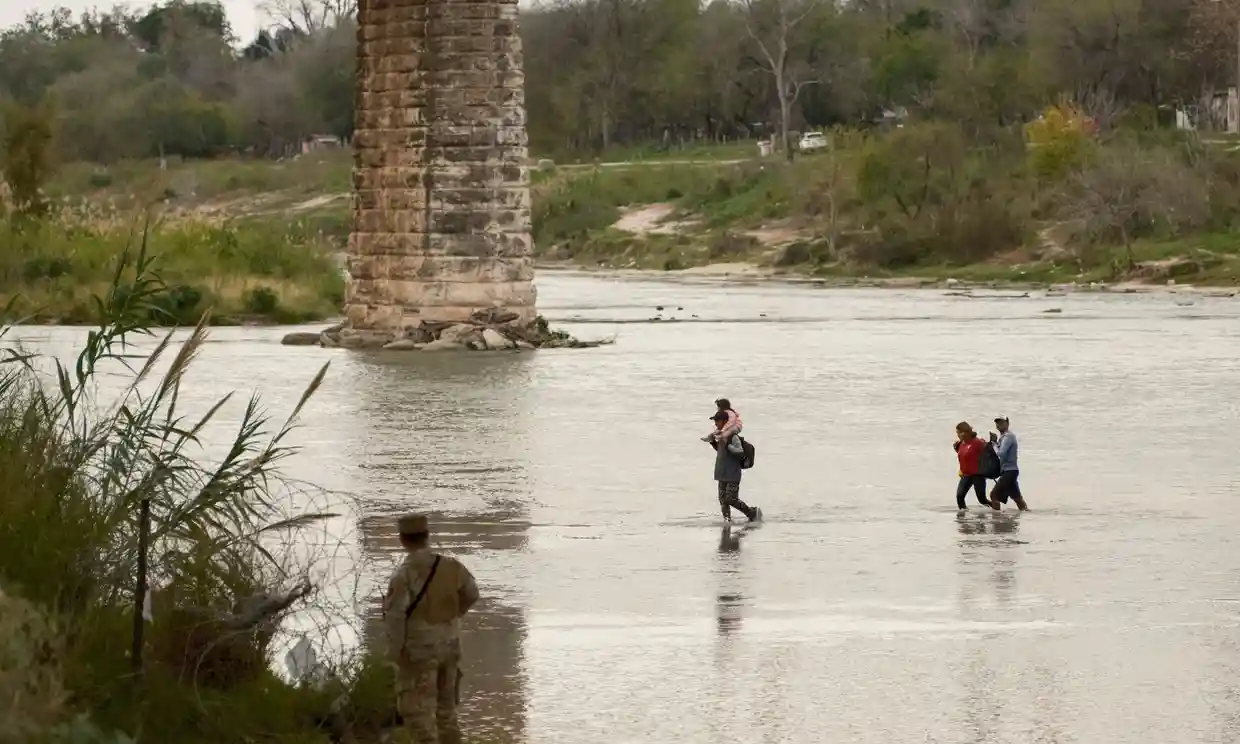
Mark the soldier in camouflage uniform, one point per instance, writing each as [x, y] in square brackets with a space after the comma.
[426, 598]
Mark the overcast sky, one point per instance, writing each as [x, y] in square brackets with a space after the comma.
[242, 15]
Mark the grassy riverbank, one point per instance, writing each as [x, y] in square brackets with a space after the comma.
[244, 269]
[1054, 204]
[249, 260]
[921, 202]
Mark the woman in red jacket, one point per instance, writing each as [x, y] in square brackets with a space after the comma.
[969, 446]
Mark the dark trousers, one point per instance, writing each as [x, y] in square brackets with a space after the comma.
[977, 483]
[730, 498]
[1007, 487]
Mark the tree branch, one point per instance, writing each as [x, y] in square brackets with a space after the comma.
[797, 86]
[749, 29]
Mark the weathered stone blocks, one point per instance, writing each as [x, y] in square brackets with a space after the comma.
[491, 329]
[441, 192]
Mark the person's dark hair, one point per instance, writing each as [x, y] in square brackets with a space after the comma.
[414, 538]
[723, 403]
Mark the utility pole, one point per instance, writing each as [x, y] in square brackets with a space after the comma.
[140, 586]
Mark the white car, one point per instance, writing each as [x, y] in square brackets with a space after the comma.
[812, 141]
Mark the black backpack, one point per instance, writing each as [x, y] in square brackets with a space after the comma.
[747, 453]
[990, 465]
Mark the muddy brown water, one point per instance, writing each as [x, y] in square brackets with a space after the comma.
[618, 609]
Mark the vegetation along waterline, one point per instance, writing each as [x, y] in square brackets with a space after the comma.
[105, 499]
[1051, 203]
[1132, 204]
[244, 272]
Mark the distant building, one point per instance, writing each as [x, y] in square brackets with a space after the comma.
[890, 118]
[321, 142]
[1219, 112]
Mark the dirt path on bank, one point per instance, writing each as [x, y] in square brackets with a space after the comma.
[656, 219]
[651, 219]
[653, 163]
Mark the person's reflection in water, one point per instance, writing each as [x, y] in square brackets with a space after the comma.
[728, 617]
[994, 536]
[479, 496]
[730, 540]
[982, 523]
[1003, 567]
[987, 567]
[970, 524]
[728, 602]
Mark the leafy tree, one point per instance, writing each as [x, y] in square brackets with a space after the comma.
[164, 24]
[28, 156]
[601, 73]
[179, 122]
[325, 67]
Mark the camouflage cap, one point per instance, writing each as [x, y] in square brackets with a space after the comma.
[412, 524]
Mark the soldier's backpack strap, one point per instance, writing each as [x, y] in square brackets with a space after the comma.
[425, 584]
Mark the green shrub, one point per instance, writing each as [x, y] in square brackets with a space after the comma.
[261, 301]
[27, 161]
[46, 267]
[795, 254]
[100, 180]
[934, 199]
[728, 244]
[1221, 170]
[1060, 142]
[745, 194]
[179, 304]
[915, 168]
[32, 694]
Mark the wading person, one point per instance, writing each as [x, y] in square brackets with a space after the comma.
[729, 454]
[969, 446]
[1008, 485]
[426, 598]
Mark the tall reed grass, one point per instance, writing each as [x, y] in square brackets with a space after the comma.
[75, 472]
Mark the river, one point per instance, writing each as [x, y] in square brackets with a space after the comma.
[864, 609]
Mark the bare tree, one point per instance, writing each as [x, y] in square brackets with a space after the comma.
[308, 17]
[1129, 194]
[969, 18]
[771, 25]
[1099, 104]
[1210, 41]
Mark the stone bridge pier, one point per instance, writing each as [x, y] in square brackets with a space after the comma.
[441, 202]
